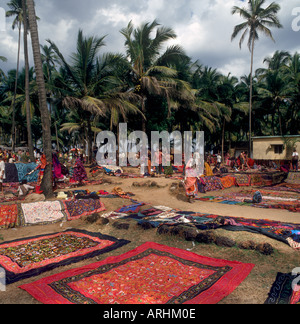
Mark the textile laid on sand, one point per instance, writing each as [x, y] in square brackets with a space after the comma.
[287, 233]
[150, 274]
[29, 257]
[78, 208]
[282, 291]
[41, 213]
[8, 216]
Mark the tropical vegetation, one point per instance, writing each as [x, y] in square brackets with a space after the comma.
[152, 87]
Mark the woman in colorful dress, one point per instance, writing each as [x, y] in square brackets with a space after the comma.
[192, 180]
[79, 173]
[41, 168]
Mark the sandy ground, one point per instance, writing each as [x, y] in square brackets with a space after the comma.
[285, 258]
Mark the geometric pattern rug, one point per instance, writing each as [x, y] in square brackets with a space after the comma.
[150, 274]
[28, 257]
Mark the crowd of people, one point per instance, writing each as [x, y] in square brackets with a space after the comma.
[65, 168]
[69, 167]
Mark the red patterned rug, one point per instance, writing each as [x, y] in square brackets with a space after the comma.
[29, 257]
[150, 274]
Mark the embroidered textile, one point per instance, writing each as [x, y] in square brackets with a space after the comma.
[282, 291]
[8, 216]
[28, 257]
[150, 274]
[41, 213]
[212, 183]
[83, 207]
[243, 180]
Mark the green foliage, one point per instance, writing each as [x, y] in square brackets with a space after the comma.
[152, 87]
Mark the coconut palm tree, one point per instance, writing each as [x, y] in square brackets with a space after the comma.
[293, 71]
[91, 83]
[151, 73]
[45, 116]
[27, 95]
[256, 20]
[16, 10]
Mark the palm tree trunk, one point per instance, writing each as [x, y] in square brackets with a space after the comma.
[28, 114]
[223, 140]
[250, 103]
[45, 116]
[90, 142]
[13, 133]
[144, 112]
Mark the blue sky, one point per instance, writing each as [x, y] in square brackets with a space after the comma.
[203, 28]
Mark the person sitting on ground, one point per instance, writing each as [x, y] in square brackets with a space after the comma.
[23, 189]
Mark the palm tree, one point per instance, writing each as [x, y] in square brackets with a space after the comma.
[150, 72]
[27, 101]
[293, 71]
[16, 10]
[45, 116]
[90, 82]
[257, 19]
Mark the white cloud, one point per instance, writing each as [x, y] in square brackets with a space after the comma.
[203, 27]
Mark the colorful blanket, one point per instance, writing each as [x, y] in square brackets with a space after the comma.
[150, 274]
[282, 292]
[242, 180]
[212, 183]
[244, 199]
[130, 209]
[24, 168]
[40, 213]
[228, 182]
[287, 233]
[75, 209]
[29, 257]
[8, 216]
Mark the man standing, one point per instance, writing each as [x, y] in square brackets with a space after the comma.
[2, 173]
